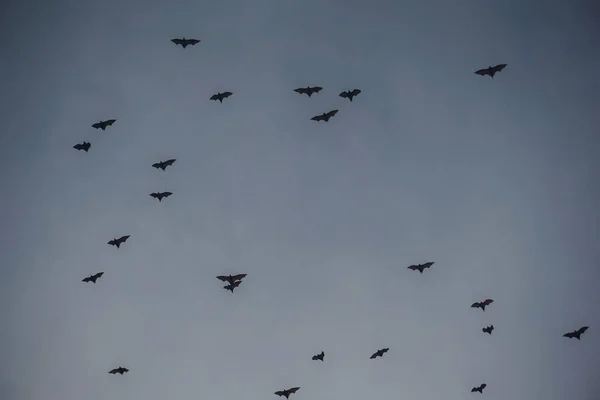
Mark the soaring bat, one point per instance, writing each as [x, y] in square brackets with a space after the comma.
[379, 353]
[220, 96]
[185, 42]
[231, 278]
[479, 388]
[104, 124]
[160, 195]
[118, 242]
[83, 146]
[93, 278]
[491, 71]
[325, 116]
[287, 392]
[319, 356]
[483, 304]
[576, 334]
[120, 370]
[488, 329]
[232, 286]
[421, 267]
[164, 164]
[309, 91]
[350, 94]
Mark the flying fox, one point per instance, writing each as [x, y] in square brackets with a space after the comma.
[160, 195]
[164, 164]
[379, 353]
[319, 356]
[479, 388]
[576, 334]
[93, 278]
[309, 91]
[103, 124]
[350, 94]
[325, 116]
[421, 267]
[220, 96]
[483, 304]
[118, 242]
[287, 392]
[120, 370]
[83, 146]
[183, 42]
[491, 71]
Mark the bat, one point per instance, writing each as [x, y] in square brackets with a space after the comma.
[483, 304]
[309, 91]
[379, 353]
[185, 42]
[488, 329]
[421, 267]
[164, 164]
[350, 94]
[319, 356]
[287, 392]
[118, 242]
[220, 96]
[479, 388]
[160, 195]
[576, 334]
[231, 278]
[491, 71]
[103, 124]
[120, 370]
[232, 286]
[325, 116]
[83, 146]
[93, 278]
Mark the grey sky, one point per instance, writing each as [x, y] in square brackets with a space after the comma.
[494, 180]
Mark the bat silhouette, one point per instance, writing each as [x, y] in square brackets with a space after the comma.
[287, 392]
[83, 146]
[309, 91]
[488, 329]
[479, 388]
[185, 42]
[164, 164]
[576, 334]
[160, 195]
[232, 286]
[319, 356]
[421, 267]
[118, 242]
[350, 94]
[220, 96]
[491, 71]
[93, 278]
[231, 278]
[483, 304]
[325, 116]
[104, 124]
[120, 370]
[379, 353]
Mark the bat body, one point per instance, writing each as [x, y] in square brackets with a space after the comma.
[120, 370]
[576, 334]
[220, 96]
[118, 242]
[421, 267]
[286, 393]
[379, 353]
[183, 42]
[160, 195]
[164, 164]
[350, 94]
[488, 329]
[231, 279]
[483, 304]
[491, 71]
[325, 116]
[83, 146]
[93, 278]
[232, 286]
[104, 124]
[479, 388]
[320, 357]
[309, 91]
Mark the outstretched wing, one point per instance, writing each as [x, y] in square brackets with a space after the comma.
[88, 279]
[113, 371]
[280, 393]
[293, 390]
[332, 113]
[238, 277]
[582, 329]
[301, 90]
[155, 195]
[192, 41]
[157, 165]
[474, 390]
[484, 72]
[223, 278]
[109, 122]
[413, 267]
[476, 305]
[78, 147]
[315, 89]
[226, 94]
[113, 242]
[319, 118]
[356, 92]
[428, 264]
[169, 162]
[498, 67]
[487, 302]
[123, 239]
[569, 335]
[215, 97]
[98, 275]
[97, 125]
[177, 41]
[166, 194]
[345, 94]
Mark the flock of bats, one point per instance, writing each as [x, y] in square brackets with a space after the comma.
[234, 281]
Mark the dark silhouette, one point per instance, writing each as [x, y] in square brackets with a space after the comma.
[185, 42]
[83, 146]
[160, 195]
[220, 96]
[491, 71]
[232, 286]
[309, 91]
[576, 334]
[120, 370]
[319, 356]
[104, 124]
[164, 164]
[379, 353]
[287, 392]
[231, 279]
[421, 267]
[325, 116]
[488, 329]
[93, 278]
[483, 304]
[118, 242]
[479, 388]
[350, 94]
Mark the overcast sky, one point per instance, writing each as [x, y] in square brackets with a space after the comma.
[494, 180]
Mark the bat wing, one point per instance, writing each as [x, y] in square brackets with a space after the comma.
[170, 162]
[113, 371]
[473, 390]
[78, 147]
[499, 67]
[476, 305]
[176, 41]
[238, 277]
[157, 165]
[374, 355]
[280, 393]
[315, 358]
[167, 194]
[293, 390]
[226, 94]
[113, 242]
[123, 239]
[97, 125]
[301, 91]
[332, 113]
[356, 92]
[193, 41]
[413, 267]
[345, 94]
[110, 122]
[155, 195]
[98, 275]
[316, 89]
[384, 350]
[487, 302]
[88, 279]
[582, 329]
[428, 264]
[318, 118]
[223, 278]
[483, 72]
[569, 335]
[215, 97]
